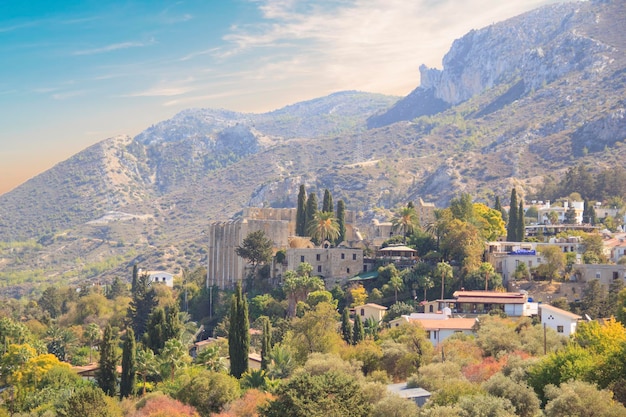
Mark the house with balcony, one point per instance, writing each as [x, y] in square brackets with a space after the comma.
[475, 303]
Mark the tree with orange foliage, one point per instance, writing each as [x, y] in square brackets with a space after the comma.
[248, 405]
[161, 405]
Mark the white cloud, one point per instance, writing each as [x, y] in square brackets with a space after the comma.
[373, 45]
[113, 47]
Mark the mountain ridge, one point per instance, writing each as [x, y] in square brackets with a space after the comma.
[484, 123]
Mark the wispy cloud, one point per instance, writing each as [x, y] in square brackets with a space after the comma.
[161, 92]
[68, 94]
[18, 26]
[113, 47]
[363, 44]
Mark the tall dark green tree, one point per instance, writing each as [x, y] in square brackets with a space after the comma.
[117, 289]
[311, 209]
[341, 221]
[498, 206]
[141, 305]
[589, 214]
[133, 282]
[358, 332]
[127, 379]
[327, 203]
[106, 376]
[301, 212]
[511, 228]
[238, 336]
[521, 229]
[346, 327]
[266, 343]
[154, 337]
[256, 248]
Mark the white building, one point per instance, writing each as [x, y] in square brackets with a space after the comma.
[161, 277]
[544, 211]
[561, 321]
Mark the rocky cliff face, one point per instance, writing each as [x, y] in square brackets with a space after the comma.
[537, 48]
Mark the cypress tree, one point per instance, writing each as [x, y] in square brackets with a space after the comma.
[311, 209]
[127, 380]
[498, 206]
[358, 333]
[327, 203]
[238, 336]
[301, 212]
[154, 338]
[521, 230]
[511, 228]
[346, 327]
[266, 343]
[106, 376]
[341, 220]
[133, 283]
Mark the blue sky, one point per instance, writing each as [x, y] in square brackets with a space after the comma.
[75, 72]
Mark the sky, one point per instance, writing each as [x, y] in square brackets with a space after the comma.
[74, 72]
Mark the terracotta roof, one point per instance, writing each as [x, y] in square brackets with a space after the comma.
[560, 311]
[490, 297]
[456, 323]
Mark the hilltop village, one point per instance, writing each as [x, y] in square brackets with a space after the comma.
[465, 310]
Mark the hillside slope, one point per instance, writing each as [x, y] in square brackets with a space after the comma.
[514, 101]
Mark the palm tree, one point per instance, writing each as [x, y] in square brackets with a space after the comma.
[297, 285]
[443, 270]
[173, 356]
[396, 283]
[406, 220]
[210, 358]
[92, 334]
[323, 226]
[282, 364]
[146, 364]
[426, 283]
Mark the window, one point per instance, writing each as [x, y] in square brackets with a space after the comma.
[318, 257]
[598, 274]
[319, 268]
[559, 329]
[362, 312]
[302, 258]
[347, 270]
[615, 275]
[343, 256]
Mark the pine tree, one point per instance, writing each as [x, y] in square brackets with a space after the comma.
[127, 380]
[511, 228]
[341, 221]
[346, 327]
[301, 212]
[327, 203]
[358, 333]
[106, 376]
[266, 344]
[141, 305]
[238, 336]
[521, 230]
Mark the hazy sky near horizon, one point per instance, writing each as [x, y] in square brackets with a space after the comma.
[74, 72]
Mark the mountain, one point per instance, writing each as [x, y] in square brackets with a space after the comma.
[515, 101]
